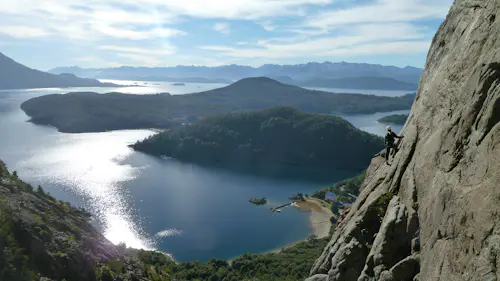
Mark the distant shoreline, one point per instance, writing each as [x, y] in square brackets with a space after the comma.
[319, 222]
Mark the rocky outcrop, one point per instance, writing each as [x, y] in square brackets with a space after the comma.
[434, 214]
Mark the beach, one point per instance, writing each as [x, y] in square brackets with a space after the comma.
[320, 216]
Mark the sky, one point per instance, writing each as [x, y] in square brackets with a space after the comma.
[44, 34]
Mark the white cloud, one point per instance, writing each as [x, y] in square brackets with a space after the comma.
[85, 59]
[359, 39]
[96, 20]
[381, 11]
[146, 51]
[267, 25]
[222, 27]
[22, 31]
[216, 48]
[142, 60]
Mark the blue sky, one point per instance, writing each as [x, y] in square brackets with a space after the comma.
[106, 33]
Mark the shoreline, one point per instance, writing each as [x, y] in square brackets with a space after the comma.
[319, 222]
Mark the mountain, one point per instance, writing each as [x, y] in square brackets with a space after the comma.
[270, 139]
[298, 72]
[434, 213]
[14, 75]
[91, 112]
[374, 83]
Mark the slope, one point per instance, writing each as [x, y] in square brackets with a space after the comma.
[91, 112]
[434, 214]
[14, 75]
[276, 137]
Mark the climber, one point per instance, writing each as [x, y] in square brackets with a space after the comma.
[389, 143]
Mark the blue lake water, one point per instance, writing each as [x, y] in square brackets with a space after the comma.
[151, 87]
[189, 211]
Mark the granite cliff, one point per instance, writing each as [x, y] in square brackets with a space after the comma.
[434, 214]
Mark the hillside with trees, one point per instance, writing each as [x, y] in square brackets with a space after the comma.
[269, 139]
[92, 112]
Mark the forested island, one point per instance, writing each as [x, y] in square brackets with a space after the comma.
[397, 119]
[268, 140]
[93, 112]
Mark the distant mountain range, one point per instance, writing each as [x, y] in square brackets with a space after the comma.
[326, 74]
[14, 75]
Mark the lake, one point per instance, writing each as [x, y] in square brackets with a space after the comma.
[153, 87]
[192, 212]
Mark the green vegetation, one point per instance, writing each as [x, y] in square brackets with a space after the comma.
[346, 191]
[92, 112]
[382, 203]
[289, 264]
[258, 201]
[272, 139]
[394, 119]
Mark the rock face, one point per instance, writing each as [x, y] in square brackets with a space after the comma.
[434, 214]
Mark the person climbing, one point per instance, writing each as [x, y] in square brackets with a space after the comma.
[389, 143]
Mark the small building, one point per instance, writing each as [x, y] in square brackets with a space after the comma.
[330, 197]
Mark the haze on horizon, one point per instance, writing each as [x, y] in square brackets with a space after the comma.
[50, 33]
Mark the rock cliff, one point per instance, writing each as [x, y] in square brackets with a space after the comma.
[434, 214]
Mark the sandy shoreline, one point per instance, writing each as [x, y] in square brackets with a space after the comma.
[320, 216]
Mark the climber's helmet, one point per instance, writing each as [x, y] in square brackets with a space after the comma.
[389, 128]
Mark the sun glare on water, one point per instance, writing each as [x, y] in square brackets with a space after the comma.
[89, 165]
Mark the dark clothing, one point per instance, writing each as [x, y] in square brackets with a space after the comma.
[389, 143]
[389, 138]
[388, 150]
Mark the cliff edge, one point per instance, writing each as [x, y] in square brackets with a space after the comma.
[434, 213]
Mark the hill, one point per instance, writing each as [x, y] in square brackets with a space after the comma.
[297, 72]
[270, 139]
[398, 119]
[14, 75]
[434, 213]
[92, 112]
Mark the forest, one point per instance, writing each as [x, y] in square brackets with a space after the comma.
[268, 139]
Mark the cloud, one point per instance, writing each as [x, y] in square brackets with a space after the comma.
[216, 48]
[359, 39]
[146, 51]
[380, 11]
[85, 59]
[142, 60]
[267, 25]
[22, 31]
[224, 28]
[98, 20]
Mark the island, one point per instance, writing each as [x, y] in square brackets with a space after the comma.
[396, 119]
[258, 201]
[178, 84]
[276, 141]
[93, 112]
[14, 75]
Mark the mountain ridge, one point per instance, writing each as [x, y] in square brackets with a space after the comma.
[298, 72]
[14, 75]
